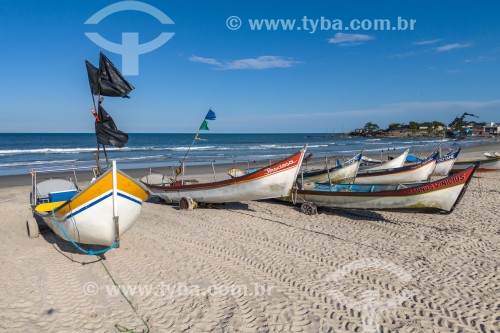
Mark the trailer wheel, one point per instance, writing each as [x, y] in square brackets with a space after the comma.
[187, 203]
[32, 227]
[309, 208]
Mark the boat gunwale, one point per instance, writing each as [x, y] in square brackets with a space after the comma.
[384, 172]
[238, 180]
[100, 178]
[481, 161]
[401, 192]
[351, 161]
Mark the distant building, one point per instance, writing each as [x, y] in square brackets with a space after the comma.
[492, 128]
[424, 126]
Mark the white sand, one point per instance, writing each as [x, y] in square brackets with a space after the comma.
[447, 267]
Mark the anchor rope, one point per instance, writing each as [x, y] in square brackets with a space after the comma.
[119, 328]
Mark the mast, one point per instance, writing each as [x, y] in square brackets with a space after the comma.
[106, 80]
[99, 169]
[99, 105]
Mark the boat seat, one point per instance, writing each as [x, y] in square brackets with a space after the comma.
[48, 207]
[308, 185]
[156, 179]
[235, 172]
[61, 195]
[53, 185]
[186, 182]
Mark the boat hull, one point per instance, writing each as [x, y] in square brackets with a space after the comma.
[442, 195]
[334, 175]
[397, 162]
[271, 182]
[445, 163]
[413, 174]
[489, 165]
[88, 216]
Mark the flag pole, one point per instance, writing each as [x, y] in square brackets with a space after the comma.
[192, 143]
[194, 140]
[97, 112]
[187, 152]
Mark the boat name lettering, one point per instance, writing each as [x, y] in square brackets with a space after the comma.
[443, 183]
[445, 158]
[281, 166]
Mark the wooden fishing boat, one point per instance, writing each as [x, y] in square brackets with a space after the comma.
[485, 165]
[273, 181]
[492, 155]
[439, 196]
[342, 173]
[396, 162]
[367, 161]
[407, 174]
[445, 163]
[109, 206]
[98, 214]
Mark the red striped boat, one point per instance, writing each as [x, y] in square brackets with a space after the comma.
[439, 196]
[273, 181]
[485, 165]
[408, 174]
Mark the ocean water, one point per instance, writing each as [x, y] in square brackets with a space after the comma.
[20, 152]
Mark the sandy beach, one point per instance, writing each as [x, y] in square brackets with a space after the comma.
[261, 267]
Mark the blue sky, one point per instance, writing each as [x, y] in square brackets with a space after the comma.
[256, 81]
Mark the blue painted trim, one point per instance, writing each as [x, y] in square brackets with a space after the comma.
[89, 205]
[99, 200]
[129, 198]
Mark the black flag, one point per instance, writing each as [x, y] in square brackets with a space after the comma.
[106, 131]
[107, 80]
[93, 74]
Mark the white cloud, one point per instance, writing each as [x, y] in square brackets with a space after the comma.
[209, 61]
[405, 54]
[480, 59]
[349, 39]
[454, 46]
[427, 42]
[262, 62]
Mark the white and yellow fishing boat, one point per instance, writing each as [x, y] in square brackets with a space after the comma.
[109, 206]
[99, 214]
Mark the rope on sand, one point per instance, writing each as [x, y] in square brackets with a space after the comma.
[118, 327]
[91, 252]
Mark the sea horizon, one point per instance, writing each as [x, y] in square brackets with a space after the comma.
[23, 151]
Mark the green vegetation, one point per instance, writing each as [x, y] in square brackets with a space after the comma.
[412, 129]
[371, 127]
[413, 126]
